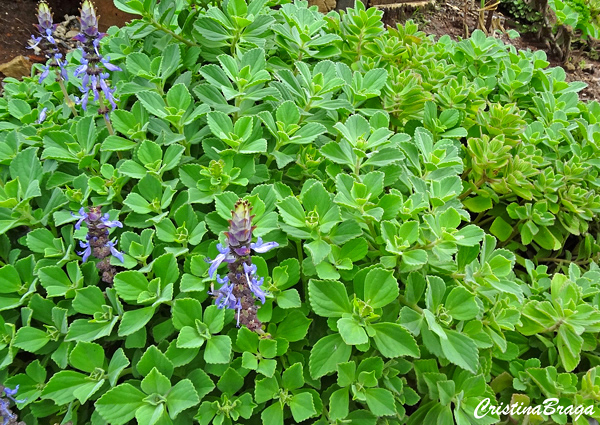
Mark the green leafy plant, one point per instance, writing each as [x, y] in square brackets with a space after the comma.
[433, 205]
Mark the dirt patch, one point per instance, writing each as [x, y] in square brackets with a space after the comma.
[18, 16]
[447, 17]
[16, 24]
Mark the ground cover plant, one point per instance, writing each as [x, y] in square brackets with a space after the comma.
[257, 213]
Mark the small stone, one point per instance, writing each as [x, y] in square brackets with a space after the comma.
[589, 68]
[17, 68]
[71, 34]
[324, 5]
[569, 66]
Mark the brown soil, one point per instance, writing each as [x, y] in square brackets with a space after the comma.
[16, 24]
[18, 16]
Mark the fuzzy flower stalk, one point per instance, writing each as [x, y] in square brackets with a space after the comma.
[97, 242]
[241, 286]
[6, 414]
[46, 42]
[94, 69]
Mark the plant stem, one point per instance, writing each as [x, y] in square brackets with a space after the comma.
[104, 111]
[478, 184]
[514, 233]
[173, 34]
[564, 260]
[413, 306]
[301, 259]
[372, 229]
[68, 100]
[108, 125]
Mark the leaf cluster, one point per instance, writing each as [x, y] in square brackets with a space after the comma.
[436, 207]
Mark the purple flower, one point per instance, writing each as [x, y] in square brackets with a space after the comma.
[44, 74]
[10, 394]
[114, 251]
[87, 252]
[249, 270]
[224, 294]
[225, 297]
[253, 283]
[109, 66]
[81, 69]
[42, 116]
[261, 247]
[255, 287]
[106, 222]
[224, 255]
[82, 217]
[93, 70]
[5, 412]
[36, 41]
[62, 65]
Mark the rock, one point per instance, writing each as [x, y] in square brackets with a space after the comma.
[589, 68]
[344, 4]
[569, 66]
[71, 34]
[324, 5]
[17, 68]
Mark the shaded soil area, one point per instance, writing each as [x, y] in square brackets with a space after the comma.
[18, 16]
[16, 24]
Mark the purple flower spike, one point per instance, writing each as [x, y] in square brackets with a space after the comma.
[241, 287]
[45, 23]
[89, 21]
[97, 240]
[94, 69]
[46, 42]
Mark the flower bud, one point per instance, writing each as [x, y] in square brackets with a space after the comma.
[88, 19]
[240, 226]
[45, 23]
